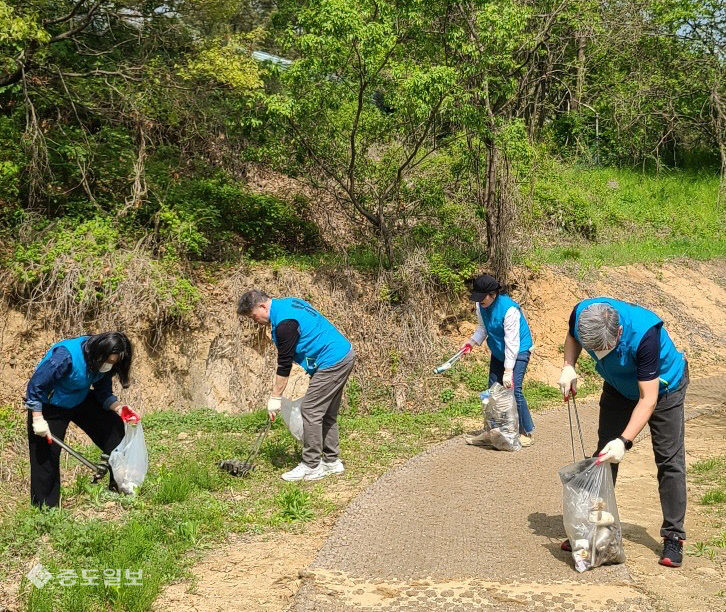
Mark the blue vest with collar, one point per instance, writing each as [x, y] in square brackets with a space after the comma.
[493, 317]
[321, 345]
[619, 367]
[73, 388]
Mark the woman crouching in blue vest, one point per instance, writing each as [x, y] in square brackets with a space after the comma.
[503, 325]
[644, 381]
[73, 383]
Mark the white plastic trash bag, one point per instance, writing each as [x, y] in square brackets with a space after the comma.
[590, 514]
[129, 461]
[501, 419]
[293, 417]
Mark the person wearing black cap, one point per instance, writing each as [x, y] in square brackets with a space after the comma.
[503, 325]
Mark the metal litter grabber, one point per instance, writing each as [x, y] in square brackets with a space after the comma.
[242, 468]
[99, 469]
[450, 362]
[579, 428]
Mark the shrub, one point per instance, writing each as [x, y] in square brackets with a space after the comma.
[564, 207]
[295, 505]
[80, 270]
[198, 210]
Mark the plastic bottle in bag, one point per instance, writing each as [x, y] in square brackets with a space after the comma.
[485, 397]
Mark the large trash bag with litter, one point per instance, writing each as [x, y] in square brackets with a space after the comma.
[129, 460]
[293, 417]
[501, 420]
[590, 514]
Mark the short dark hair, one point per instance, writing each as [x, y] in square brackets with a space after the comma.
[249, 300]
[98, 348]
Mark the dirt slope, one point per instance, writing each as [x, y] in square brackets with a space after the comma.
[217, 363]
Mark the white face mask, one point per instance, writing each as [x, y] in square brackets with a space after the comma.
[106, 367]
[601, 354]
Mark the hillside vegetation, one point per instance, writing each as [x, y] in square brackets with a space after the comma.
[471, 134]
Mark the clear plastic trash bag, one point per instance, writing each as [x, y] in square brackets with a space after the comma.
[293, 417]
[129, 461]
[590, 514]
[501, 420]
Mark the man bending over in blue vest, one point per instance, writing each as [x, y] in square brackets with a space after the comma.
[303, 335]
[645, 379]
[503, 325]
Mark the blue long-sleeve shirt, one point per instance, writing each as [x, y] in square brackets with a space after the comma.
[50, 371]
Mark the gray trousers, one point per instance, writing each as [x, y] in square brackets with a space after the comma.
[320, 412]
[667, 433]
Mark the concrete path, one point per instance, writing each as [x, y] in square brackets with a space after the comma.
[460, 528]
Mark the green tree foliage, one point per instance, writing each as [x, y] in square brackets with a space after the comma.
[145, 114]
[362, 105]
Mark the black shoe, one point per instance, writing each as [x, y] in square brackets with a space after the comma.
[672, 555]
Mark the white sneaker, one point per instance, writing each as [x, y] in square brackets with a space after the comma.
[334, 467]
[526, 440]
[317, 473]
[300, 472]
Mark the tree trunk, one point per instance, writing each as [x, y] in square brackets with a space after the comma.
[581, 41]
[500, 206]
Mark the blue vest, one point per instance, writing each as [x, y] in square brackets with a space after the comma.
[321, 345]
[73, 388]
[619, 367]
[493, 317]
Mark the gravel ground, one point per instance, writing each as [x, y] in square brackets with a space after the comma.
[461, 527]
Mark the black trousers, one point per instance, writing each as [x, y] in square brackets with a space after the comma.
[667, 436]
[104, 427]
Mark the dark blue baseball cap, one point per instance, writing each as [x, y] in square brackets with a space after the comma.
[483, 286]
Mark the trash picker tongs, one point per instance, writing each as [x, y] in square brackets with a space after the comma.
[99, 469]
[579, 428]
[450, 362]
[242, 468]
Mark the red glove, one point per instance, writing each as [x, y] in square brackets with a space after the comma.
[467, 348]
[128, 415]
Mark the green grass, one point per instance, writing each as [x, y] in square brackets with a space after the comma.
[713, 467]
[295, 504]
[610, 216]
[714, 497]
[710, 475]
[473, 377]
[707, 480]
[539, 394]
[187, 504]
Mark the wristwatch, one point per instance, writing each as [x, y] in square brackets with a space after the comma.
[628, 443]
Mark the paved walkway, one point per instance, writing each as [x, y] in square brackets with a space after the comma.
[460, 528]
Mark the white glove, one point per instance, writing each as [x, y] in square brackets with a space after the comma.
[613, 452]
[40, 426]
[274, 404]
[507, 379]
[568, 381]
